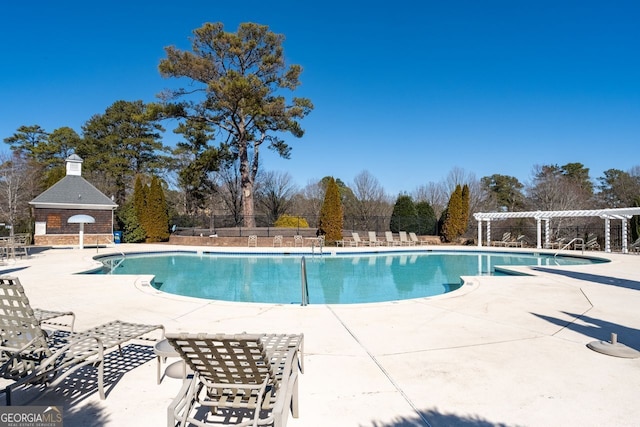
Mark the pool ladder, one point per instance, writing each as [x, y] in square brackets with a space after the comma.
[305, 287]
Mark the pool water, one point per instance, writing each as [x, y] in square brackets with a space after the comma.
[337, 279]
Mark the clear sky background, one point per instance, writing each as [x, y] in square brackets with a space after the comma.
[407, 90]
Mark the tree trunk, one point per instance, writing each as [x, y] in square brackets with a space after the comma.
[246, 184]
[247, 204]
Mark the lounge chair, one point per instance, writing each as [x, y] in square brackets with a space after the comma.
[556, 244]
[390, 240]
[518, 242]
[357, 241]
[635, 246]
[253, 375]
[414, 238]
[53, 318]
[404, 241]
[592, 243]
[298, 241]
[253, 241]
[277, 241]
[373, 239]
[27, 356]
[506, 238]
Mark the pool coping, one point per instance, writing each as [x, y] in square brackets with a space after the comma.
[143, 282]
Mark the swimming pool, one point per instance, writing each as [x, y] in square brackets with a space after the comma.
[331, 279]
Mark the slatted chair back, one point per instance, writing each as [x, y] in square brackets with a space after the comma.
[225, 359]
[19, 326]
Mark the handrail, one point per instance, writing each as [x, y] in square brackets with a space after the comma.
[113, 267]
[575, 239]
[305, 286]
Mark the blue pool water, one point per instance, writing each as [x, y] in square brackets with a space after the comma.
[337, 279]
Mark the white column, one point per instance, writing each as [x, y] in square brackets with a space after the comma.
[547, 232]
[81, 236]
[479, 233]
[624, 236]
[607, 235]
[488, 232]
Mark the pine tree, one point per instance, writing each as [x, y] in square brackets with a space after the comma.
[331, 216]
[139, 196]
[466, 200]
[157, 217]
[134, 221]
[132, 230]
[426, 219]
[404, 216]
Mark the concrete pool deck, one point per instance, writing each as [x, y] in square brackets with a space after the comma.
[507, 351]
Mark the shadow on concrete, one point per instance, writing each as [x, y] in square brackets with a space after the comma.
[435, 418]
[12, 270]
[605, 280]
[597, 328]
[71, 393]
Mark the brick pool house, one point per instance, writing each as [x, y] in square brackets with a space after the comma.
[72, 195]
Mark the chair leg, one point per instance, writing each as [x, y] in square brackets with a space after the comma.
[101, 379]
[294, 398]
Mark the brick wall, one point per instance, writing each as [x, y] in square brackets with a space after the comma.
[72, 239]
[57, 220]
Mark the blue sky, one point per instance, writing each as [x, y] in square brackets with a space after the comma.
[407, 90]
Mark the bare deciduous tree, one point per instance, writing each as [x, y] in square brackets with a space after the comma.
[16, 189]
[369, 202]
[275, 191]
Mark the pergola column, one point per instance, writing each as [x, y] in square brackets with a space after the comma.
[479, 233]
[625, 249]
[607, 235]
[488, 232]
[546, 233]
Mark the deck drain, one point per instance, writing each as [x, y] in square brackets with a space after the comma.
[614, 348]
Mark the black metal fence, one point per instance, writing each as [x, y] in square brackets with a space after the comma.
[215, 223]
[231, 226]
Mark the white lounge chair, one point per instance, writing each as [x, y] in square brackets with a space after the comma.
[414, 238]
[298, 241]
[506, 239]
[27, 356]
[518, 242]
[373, 239]
[357, 241]
[253, 241]
[390, 240]
[403, 239]
[251, 375]
[592, 243]
[277, 241]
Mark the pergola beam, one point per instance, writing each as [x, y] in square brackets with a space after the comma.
[623, 214]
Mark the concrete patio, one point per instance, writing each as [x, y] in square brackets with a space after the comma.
[501, 351]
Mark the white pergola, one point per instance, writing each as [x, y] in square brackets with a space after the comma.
[622, 214]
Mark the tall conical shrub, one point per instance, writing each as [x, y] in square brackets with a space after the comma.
[157, 217]
[331, 216]
[451, 228]
[466, 201]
